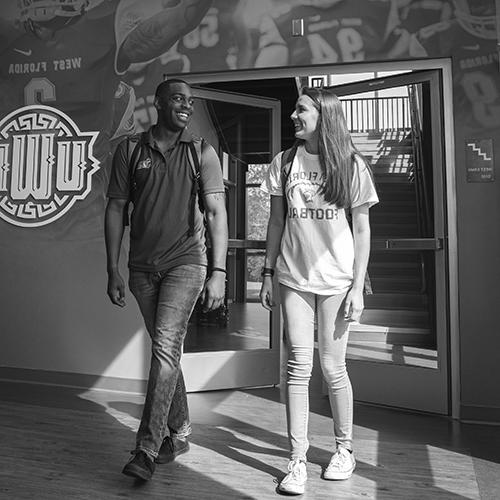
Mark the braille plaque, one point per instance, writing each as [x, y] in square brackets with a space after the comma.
[479, 160]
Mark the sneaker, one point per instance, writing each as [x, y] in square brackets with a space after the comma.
[341, 465]
[140, 466]
[170, 448]
[294, 482]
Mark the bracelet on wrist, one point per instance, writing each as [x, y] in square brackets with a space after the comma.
[267, 271]
[220, 269]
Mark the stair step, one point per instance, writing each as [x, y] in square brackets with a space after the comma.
[409, 202]
[365, 332]
[409, 301]
[386, 284]
[393, 257]
[377, 273]
[423, 355]
[395, 191]
[360, 138]
[404, 215]
[388, 230]
[392, 177]
[394, 187]
[393, 217]
[383, 135]
[381, 148]
[405, 197]
[403, 318]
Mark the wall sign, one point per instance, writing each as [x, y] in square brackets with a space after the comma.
[46, 165]
[479, 160]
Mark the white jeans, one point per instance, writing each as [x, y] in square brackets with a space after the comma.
[299, 310]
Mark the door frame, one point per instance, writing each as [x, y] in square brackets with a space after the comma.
[445, 67]
[214, 370]
[431, 393]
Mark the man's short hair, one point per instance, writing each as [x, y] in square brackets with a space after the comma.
[164, 86]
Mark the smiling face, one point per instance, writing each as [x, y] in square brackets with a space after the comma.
[305, 119]
[175, 106]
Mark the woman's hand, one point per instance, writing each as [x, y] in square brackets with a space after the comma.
[354, 305]
[266, 293]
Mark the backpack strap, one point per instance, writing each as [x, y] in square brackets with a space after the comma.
[194, 152]
[286, 167]
[134, 147]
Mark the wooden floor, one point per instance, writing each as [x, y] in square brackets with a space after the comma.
[65, 443]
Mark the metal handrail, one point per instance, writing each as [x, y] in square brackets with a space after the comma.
[370, 114]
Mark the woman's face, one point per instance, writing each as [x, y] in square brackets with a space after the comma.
[305, 119]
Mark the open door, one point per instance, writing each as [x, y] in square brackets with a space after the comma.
[398, 353]
[240, 346]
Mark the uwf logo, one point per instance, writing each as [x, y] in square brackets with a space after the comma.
[46, 165]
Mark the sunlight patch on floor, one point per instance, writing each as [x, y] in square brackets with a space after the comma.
[132, 362]
[441, 461]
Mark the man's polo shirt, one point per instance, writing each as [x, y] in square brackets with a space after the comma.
[159, 228]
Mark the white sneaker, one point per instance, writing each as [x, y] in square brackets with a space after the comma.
[341, 465]
[294, 482]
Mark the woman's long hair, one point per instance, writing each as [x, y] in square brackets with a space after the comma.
[337, 152]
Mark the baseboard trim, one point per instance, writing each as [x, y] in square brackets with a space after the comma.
[76, 380]
[480, 414]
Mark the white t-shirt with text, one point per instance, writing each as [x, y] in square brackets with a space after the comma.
[317, 246]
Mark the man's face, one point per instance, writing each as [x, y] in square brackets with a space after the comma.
[175, 106]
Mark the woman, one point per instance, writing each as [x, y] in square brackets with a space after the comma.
[320, 265]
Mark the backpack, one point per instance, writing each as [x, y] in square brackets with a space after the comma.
[195, 148]
[286, 167]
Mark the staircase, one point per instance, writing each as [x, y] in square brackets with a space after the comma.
[397, 312]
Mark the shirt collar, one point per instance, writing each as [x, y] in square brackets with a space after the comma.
[185, 136]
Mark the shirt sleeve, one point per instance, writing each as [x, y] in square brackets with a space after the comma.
[271, 184]
[211, 172]
[363, 188]
[119, 180]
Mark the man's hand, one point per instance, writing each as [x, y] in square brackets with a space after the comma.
[116, 289]
[213, 294]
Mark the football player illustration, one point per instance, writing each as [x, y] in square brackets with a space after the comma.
[71, 55]
[470, 37]
[213, 42]
[417, 14]
[332, 31]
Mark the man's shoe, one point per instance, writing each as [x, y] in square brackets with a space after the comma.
[170, 448]
[341, 465]
[294, 483]
[140, 466]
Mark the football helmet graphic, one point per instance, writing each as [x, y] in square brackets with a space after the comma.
[50, 13]
[477, 17]
[320, 4]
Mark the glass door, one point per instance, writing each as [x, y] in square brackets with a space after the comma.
[238, 346]
[398, 353]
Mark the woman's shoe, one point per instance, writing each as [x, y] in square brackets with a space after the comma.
[294, 483]
[341, 465]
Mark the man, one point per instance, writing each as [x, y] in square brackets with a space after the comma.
[167, 260]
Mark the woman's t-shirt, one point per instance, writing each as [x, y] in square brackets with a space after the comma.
[317, 247]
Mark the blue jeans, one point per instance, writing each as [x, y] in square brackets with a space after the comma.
[166, 300]
[299, 312]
